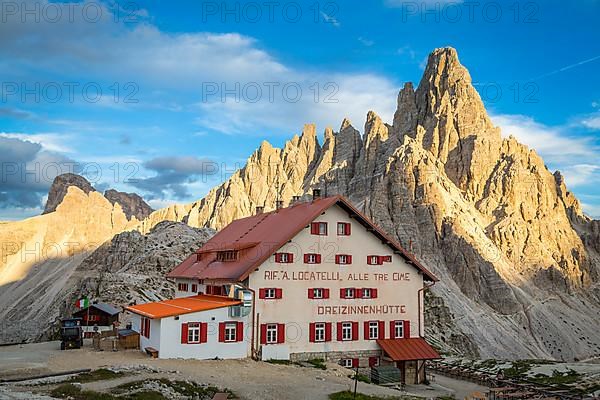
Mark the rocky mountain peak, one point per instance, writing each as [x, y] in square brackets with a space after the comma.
[59, 188]
[131, 203]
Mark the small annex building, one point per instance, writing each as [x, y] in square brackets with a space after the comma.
[98, 317]
[316, 279]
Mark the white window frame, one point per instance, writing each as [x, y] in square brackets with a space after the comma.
[343, 259]
[183, 286]
[349, 293]
[193, 333]
[270, 293]
[373, 330]
[346, 331]
[284, 257]
[347, 362]
[341, 229]
[373, 260]
[367, 293]
[318, 293]
[311, 259]
[271, 333]
[322, 228]
[398, 329]
[231, 332]
[320, 332]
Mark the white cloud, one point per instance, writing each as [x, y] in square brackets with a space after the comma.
[50, 141]
[330, 19]
[592, 122]
[366, 42]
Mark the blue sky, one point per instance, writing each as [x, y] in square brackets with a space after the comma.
[130, 93]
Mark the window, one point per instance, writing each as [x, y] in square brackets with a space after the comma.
[194, 288]
[373, 330]
[398, 329]
[182, 287]
[366, 293]
[227, 255]
[374, 260]
[214, 290]
[320, 332]
[193, 332]
[347, 362]
[343, 229]
[312, 258]
[231, 332]
[343, 259]
[269, 293]
[346, 331]
[145, 328]
[347, 293]
[317, 293]
[271, 333]
[284, 258]
[318, 228]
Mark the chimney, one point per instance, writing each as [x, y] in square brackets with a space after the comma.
[260, 209]
[316, 194]
[279, 204]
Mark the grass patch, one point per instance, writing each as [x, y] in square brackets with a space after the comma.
[70, 391]
[317, 363]
[360, 378]
[347, 395]
[557, 378]
[97, 375]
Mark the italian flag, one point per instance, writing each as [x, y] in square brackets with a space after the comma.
[82, 303]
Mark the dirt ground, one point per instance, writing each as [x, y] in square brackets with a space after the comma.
[248, 379]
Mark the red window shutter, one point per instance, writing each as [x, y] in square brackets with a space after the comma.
[349, 259]
[372, 361]
[355, 363]
[208, 289]
[374, 293]
[355, 331]
[278, 293]
[318, 259]
[311, 293]
[328, 331]
[194, 288]
[406, 329]
[221, 331]
[381, 333]
[263, 333]
[184, 333]
[239, 332]
[339, 331]
[358, 293]
[278, 257]
[290, 257]
[392, 329]
[366, 327]
[347, 229]
[306, 258]
[388, 259]
[261, 293]
[280, 333]
[314, 228]
[148, 328]
[325, 293]
[311, 332]
[379, 260]
[337, 258]
[342, 293]
[203, 332]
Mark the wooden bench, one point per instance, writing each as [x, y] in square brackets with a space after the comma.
[220, 396]
[152, 351]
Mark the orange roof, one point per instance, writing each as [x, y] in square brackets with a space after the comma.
[183, 305]
[259, 236]
[408, 349]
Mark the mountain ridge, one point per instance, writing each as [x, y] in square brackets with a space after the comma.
[518, 261]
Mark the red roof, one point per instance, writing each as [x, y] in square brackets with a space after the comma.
[182, 305]
[408, 349]
[259, 236]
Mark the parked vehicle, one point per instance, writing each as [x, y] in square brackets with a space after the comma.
[71, 333]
